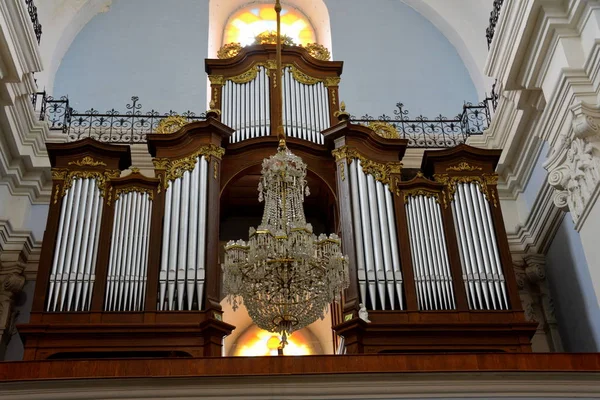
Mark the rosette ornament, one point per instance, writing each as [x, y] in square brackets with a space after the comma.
[285, 275]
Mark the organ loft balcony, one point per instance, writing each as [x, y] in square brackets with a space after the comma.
[131, 261]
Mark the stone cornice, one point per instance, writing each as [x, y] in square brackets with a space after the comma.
[19, 251]
[542, 223]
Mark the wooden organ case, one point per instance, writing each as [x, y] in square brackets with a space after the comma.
[130, 264]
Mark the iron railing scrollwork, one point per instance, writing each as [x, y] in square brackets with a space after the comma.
[491, 29]
[37, 27]
[439, 131]
[112, 126]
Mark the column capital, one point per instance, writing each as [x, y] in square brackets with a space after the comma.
[574, 163]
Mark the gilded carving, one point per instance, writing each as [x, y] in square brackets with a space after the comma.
[229, 50]
[56, 193]
[216, 79]
[463, 166]
[384, 129]
[59, 173]
[88, 161]
[318, 51]
[484, 180]
[424, 192]
[245, 77]
[343, 171]
[301, 77]
[101, 179]
[171, 124]
[130, 189]
[161, 163]
[382, 172]
[215, 170]
[270, 37]
[176, 168]
[332, 81]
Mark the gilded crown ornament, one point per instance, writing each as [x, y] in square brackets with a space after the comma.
[285, 275]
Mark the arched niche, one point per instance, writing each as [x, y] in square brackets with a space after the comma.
[240, 175]
[220, 11]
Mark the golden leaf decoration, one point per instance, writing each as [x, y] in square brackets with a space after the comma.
[270, 37]
[318, 51]
[229, 50]
[171, 124]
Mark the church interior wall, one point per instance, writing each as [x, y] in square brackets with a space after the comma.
[575, 302]
[124, 55]
[146, 48]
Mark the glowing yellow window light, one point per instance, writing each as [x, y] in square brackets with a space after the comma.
[247, 23]
[263, 343]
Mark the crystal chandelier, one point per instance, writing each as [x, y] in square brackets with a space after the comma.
[285, 276]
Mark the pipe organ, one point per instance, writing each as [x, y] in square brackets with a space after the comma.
[378, 262]
[245, 105]
[73, 267]
[482, 271]
[183, 264]
[431, 268]
[130, 263]
[244, 91]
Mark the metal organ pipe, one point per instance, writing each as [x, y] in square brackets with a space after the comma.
[496, 259]
[165, 248]
[128, 253]
[358, 233]
[202, 209]
[184, 259]
[397, 275]
[193, 237]
[85, 245]
[445, 266]
[72, 263]
[385, 242]
[72, 270]
[377, 258]
[415, 254]
[466, 255]
[376, 232]
[183, 238]
[367, 236]
[90, 268]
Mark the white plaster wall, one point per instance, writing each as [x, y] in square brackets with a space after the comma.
[575, 302]
[149, 48]
[396, 55]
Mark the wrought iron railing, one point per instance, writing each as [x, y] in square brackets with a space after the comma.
[491, 29]
[37, 27]
[133, 125]
[112, 126]
[433, 132]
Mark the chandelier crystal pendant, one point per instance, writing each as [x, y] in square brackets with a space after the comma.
[285, 276]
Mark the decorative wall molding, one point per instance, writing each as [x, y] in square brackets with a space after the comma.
[19, 257]
[537, 301]
[574, 163]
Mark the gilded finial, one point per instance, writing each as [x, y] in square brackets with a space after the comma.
[213, 111]
[342, 115]
[135, 170]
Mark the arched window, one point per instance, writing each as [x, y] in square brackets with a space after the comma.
[247, 23]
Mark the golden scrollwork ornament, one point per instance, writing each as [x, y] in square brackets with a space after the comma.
[384, 129]
[171, 124]
[270, 37]
[229, 50]
[318, 51]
